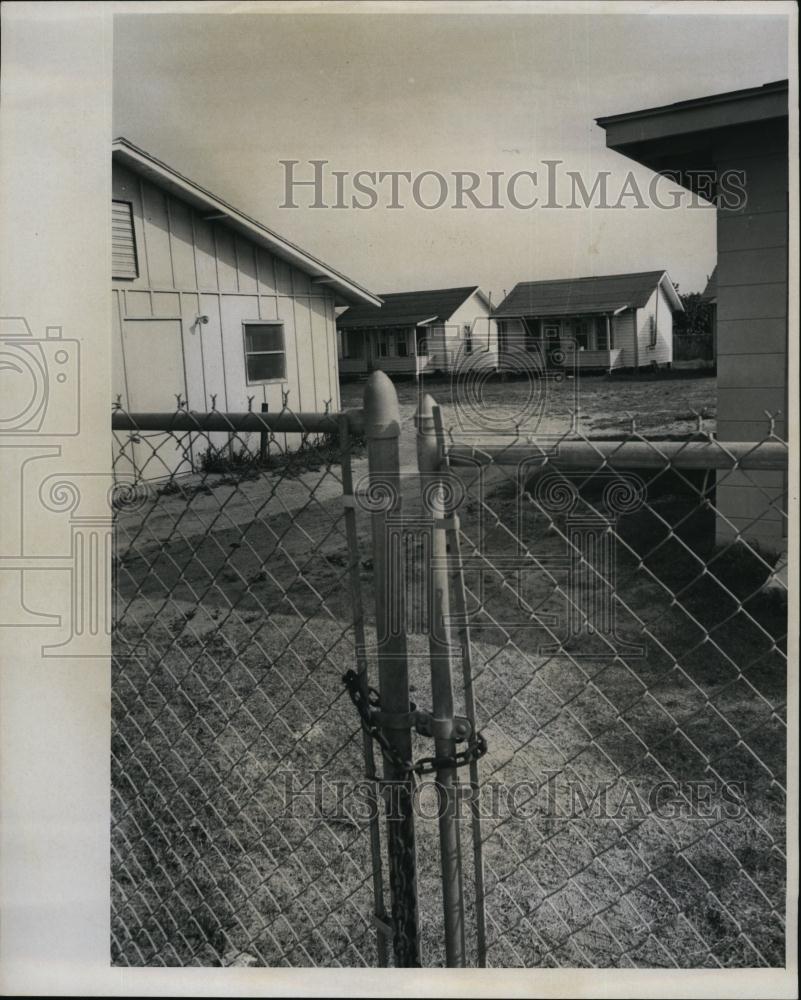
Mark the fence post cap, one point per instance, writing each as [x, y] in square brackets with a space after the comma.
[427, 446]
[381, 408]
[425, 411]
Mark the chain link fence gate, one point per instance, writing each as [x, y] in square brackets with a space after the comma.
[247, 815]
[569, 600]
[237, 582]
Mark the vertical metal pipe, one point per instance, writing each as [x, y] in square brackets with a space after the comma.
[361, 666]
[460, 609]
[435, 503]
[382, 431]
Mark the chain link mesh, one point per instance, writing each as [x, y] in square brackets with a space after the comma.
[233, 623]
[629, 671]
[623, 642]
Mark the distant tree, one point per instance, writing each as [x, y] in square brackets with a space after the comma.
[696, 320]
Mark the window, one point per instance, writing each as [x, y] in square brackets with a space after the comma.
[402, 346]
[601, 339]
[383, 350]
[422, 346]
[123, 243]
[582, 334]
[265, 355]
[468, 339]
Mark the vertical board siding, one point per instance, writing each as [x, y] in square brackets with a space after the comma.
[205, 257]
[657, 306]
[246, 266]
[213, 355]
[235, 310]
[265, 263]
[182, 245]
[157, 237]
[623, 326]
[306, 399]
[193, 351]
[227, 274]
[190, 267]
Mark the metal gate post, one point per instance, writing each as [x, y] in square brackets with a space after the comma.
[382, 431]
[436, 505]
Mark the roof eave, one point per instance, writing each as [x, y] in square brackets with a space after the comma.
[670, 291]
[198, 196]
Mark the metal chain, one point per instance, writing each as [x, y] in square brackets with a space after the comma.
[367, 701]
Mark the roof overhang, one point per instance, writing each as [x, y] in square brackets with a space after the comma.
[684, 137]
[346, 290]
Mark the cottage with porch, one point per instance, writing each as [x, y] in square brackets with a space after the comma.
[598, 323]
[436, 330]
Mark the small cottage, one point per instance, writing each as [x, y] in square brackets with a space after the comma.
[436, 330]
[597, 323]
[212, 308]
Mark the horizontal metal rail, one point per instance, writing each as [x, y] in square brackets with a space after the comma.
[217, 420]
[750, 455]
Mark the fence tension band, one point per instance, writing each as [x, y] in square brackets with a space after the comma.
[424, 723]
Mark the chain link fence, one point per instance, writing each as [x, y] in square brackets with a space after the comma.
[601, 640]
[629, 669]
[236, 581]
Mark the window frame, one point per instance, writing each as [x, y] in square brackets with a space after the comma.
[584, 328]
[137, 272]
[263, 322]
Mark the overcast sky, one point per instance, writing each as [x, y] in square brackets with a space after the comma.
[224, 97]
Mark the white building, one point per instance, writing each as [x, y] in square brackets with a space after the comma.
[212, 307]
[599, 323]
[436, 330]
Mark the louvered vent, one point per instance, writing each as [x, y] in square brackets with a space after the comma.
[123, 244]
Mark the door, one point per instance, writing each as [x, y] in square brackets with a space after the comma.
[155, 376]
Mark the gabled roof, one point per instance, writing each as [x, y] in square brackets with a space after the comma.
[434, 305]
[583, 296]
[160, 173]
[710, 293]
